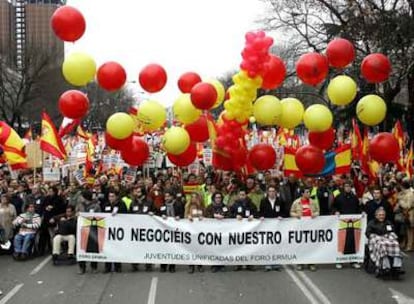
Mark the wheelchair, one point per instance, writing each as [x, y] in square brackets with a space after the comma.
[393, 272]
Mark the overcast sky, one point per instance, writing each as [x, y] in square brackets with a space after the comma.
[181, 35]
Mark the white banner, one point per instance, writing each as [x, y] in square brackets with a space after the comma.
[151, 239]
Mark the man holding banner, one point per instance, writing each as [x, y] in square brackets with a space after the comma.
[305, 207]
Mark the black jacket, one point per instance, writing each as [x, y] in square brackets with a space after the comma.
[217, 209]
[141, 206]
[67, 226]
[379, 228]
[109, 208]
[267, 211]
[346, 203]
[245, 208]
[289, 193]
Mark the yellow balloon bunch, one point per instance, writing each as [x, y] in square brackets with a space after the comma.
[151, 115]
[242, 95]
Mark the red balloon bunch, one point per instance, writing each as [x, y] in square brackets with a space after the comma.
[310, 159]
[384, 148]
[376, 68]
[262, 157]
[187, 81]
[153, 78]
[229, 154]
[111, 76]
[198, 130]
[255, 53]
[340, 52]
[274, 73]
[203, 95]
[136, 153]
[68, 23]
[312, 68]
[322, 140]
[73, 104]
[186, 158]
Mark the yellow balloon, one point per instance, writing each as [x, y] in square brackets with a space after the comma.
[267, 110]
[318, 118]
[184, 110]
[371, 110]
[342, 90]
[151, 115]
[120, 125]
[176, 140]
[221, 92]
[292, 113]
[79, 69]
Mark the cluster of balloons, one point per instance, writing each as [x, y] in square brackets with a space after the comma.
[230, 151]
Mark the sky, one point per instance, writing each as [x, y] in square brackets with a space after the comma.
[203, 36]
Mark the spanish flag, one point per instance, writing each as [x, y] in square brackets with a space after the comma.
[409, 161]
[82, 133]
[50, 142]
[14, 157]
[90, 152]
[356, 140]
[9, 137]
[398, 133]
[289, 163]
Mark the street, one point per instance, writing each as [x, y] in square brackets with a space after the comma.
[38, 281]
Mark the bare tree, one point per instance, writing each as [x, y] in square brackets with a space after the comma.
[385, 26]
[21, 90]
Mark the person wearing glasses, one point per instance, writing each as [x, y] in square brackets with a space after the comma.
[305, 207]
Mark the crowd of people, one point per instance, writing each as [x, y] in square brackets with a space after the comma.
[36, 218]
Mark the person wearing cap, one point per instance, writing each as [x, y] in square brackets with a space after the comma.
[305, 206]
[87, 204]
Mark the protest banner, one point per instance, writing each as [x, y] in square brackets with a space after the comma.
[151, 239]
[51, 174]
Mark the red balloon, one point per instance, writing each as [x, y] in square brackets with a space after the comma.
[310, 159]
[203, 95]
[111, 76]
[340, 52]
[153, 78]
[198, 130]
[186, 158]
[376, 68]
[384, 148]
[312, 68]
[221, 161]
[136, 153]
[274, 73]
[187, 81]
[322, 140]
[68, 23]
[117, 144]
[262, 157]
[73, 104]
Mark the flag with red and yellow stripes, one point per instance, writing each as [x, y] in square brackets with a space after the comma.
[50, 141]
